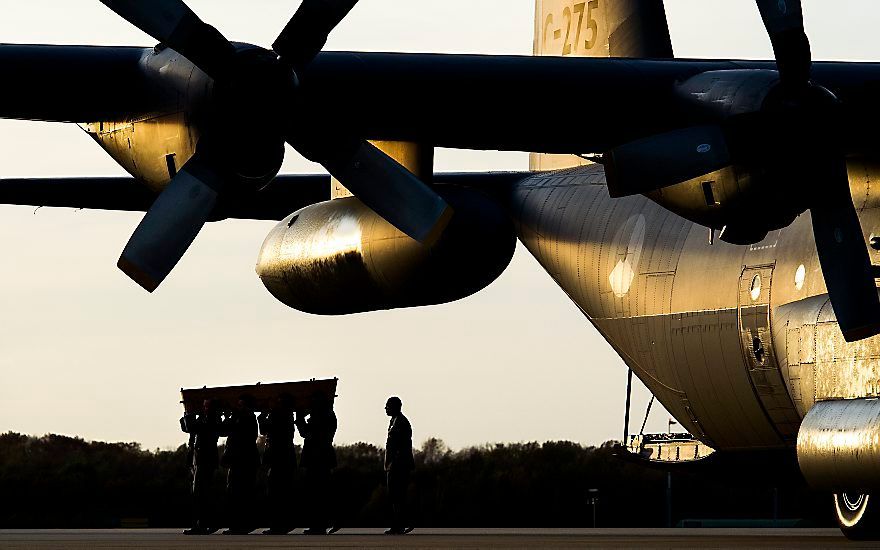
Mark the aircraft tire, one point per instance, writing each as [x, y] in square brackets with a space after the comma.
[857, 516]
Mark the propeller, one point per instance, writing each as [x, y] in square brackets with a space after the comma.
[174, 24]
[840, 242]
[306, 33]
[263, 83]
[172, 223]
[846, 265]
[784, 21]
[643, 166]
[796, 138]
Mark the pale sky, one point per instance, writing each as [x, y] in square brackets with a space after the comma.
[84, 351]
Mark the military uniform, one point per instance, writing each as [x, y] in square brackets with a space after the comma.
[243, 459]
[204, 430]
[318, 459]
[399, 464]
[280, 459]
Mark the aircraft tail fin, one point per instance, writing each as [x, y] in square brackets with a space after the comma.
[598, 28]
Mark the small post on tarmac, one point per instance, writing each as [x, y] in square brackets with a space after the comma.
[629, 384]
[669, 426]
[594, 500]
[775, 505]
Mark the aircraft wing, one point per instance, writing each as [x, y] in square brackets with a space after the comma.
[514, 103]
[286, 194]
[536, 104]
[74, 83]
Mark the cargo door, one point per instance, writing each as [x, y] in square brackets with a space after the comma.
[758, 351]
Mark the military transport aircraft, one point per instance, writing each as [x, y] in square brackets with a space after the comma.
[719, 229]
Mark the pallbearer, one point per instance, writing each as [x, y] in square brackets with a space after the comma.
[277, 425]
[243, 459]
[318, 459]
[399, 464]
[204, 430]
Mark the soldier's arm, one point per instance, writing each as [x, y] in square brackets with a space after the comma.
[188, 423]
[392, 445]
[303, 426]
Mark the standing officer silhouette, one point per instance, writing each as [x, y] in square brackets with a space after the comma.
[243, 459]
[318, 459]
[399, 464]
[204, 431]
[277, 425]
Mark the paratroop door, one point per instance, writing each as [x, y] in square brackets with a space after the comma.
[757, 345]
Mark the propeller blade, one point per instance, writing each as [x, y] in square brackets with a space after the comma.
[306, 33]
[667, 159]
[844, 257]
[391, 190]
[174, 24]
[171, 224]
[784, 20]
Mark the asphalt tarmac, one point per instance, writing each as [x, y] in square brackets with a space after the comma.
[441, 538]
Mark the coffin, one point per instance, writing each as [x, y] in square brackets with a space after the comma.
[264, 395]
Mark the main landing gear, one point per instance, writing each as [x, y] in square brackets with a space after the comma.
[858, 515]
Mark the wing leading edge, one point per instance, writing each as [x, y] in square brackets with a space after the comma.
[286, 194]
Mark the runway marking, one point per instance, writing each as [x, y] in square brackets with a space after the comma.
[437, 538]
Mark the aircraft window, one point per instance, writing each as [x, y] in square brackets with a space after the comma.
[800, 277]
[758, 348]
[755, 290]
[292, 221]
[875, 242]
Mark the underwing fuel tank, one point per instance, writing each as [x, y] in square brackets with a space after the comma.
[838, 445]
[340, 257]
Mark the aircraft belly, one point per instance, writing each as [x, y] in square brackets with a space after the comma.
[666, 300]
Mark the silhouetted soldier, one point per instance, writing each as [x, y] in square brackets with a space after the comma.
[204, 431]
[318, 459]
[399, 464]
[243, 459]
[280, 458]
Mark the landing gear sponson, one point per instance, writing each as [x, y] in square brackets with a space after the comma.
[838, 449]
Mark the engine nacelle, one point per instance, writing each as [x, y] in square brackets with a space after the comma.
[839, 445]
[724, 94]
[340, 257]
[745, 204]
[746, 199]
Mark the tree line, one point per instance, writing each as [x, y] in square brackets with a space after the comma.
[63, 482]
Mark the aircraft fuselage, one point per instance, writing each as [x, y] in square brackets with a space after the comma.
[738, 342]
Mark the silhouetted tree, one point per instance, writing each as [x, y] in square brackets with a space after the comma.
[63, 482]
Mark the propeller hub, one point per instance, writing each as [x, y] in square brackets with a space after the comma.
[257, 89]
[250, 106]
[803, 126]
